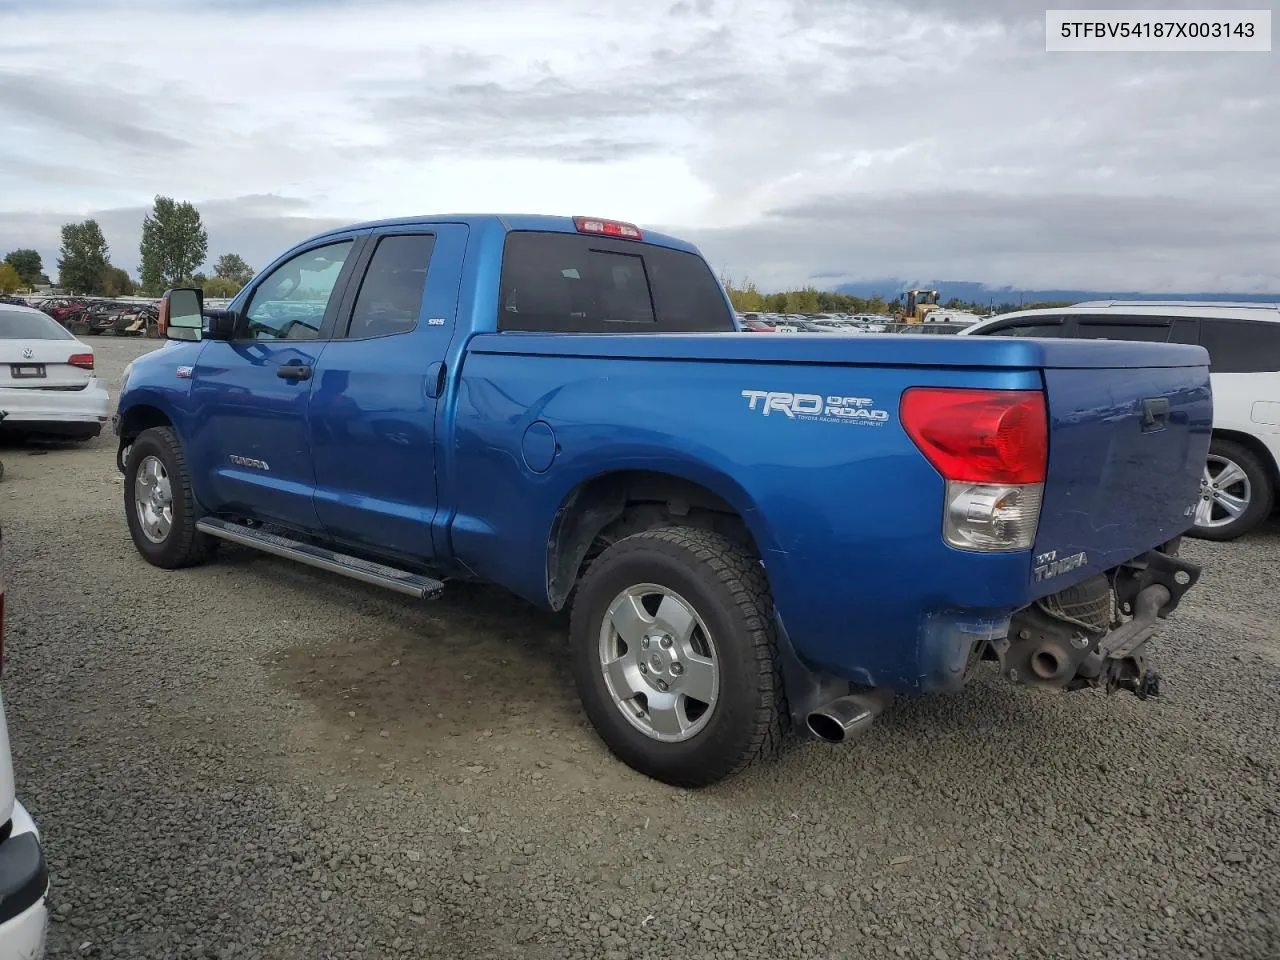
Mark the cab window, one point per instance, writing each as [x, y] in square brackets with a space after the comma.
[390, 297]
[569, 283]
[290, 302]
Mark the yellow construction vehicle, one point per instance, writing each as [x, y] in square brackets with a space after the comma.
[920, 303]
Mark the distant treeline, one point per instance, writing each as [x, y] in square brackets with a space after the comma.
[747, 298]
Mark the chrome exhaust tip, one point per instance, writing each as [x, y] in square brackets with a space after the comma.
[847, 716]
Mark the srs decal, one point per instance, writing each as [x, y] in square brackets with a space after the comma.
[812, 406]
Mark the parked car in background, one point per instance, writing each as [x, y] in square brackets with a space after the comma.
[1242, 473]
[47, 382]
[24, 875]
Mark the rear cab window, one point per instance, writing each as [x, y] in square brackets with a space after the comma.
[574, 283]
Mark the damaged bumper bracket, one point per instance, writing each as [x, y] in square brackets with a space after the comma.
[1049, 647]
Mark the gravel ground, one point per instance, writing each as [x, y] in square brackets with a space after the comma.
[253, 759]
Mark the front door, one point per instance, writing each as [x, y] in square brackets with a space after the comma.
[376, 389]
[250, 395]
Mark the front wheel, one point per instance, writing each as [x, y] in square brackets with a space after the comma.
[1235, 493]
[674, 655]
[159, 503]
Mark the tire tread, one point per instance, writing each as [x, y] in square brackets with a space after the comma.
[727, 563]
[191, 547]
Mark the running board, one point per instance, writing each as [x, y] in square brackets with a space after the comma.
[401, 581]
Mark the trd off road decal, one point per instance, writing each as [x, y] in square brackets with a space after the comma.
[811, 406]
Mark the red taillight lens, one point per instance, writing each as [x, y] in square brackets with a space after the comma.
[82, 360]
[607, 228]
[980, 436]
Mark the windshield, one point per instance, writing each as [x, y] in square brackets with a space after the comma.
[30, 325]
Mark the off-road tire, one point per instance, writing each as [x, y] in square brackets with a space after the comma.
[184, 546]
[727, 587]
[1261, 497]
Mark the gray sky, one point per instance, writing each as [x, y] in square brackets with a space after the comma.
[794, 140]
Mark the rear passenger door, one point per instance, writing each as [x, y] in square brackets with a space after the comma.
[375, 390]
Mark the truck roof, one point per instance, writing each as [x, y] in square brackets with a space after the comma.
[506, 222]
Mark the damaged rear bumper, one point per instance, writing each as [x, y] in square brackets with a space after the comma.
[1095, 634]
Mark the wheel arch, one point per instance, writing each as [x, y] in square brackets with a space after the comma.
[1256, 447]
[132, 421]
[618, 502]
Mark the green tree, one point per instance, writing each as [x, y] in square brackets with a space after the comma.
[83, 257]
[174, 243]
[29, 266]
[222, 287]
[117, 283]
[231, 266]
[10, 279]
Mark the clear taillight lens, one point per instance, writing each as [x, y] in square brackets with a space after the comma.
[991, 517]
[992, 448]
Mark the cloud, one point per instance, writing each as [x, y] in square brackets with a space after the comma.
[90, 112]
[802, 138]
[1184, 243]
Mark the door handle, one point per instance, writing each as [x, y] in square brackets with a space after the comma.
[1155, 413]
[435, 379]
[293, 371]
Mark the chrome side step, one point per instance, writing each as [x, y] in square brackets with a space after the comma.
[401, 581]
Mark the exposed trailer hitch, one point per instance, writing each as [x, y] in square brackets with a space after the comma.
[1095, 633]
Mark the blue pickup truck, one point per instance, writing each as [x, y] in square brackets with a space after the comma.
[754, 535]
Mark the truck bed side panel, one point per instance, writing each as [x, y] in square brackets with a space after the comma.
[846, 512]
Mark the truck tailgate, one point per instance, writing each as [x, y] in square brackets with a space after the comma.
[1127, 447]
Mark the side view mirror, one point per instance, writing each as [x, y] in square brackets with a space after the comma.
[222, 324]
[181, 315]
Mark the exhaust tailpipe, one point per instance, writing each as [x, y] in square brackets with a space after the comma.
[844, 717]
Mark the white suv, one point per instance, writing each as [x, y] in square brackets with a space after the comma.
[1243, 339]
[24, 878]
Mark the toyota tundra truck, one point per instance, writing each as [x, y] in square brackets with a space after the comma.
[753, 535]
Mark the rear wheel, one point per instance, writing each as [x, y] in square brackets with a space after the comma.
[1235, 492]
[674, 655]
[159, 503]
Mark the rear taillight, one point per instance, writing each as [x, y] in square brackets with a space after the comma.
[82, 360]
[992, 448]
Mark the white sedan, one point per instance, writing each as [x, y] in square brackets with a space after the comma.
[47, 385]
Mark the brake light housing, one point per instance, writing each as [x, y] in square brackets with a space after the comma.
[82, 360]
[992, 449]
[607, 228]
